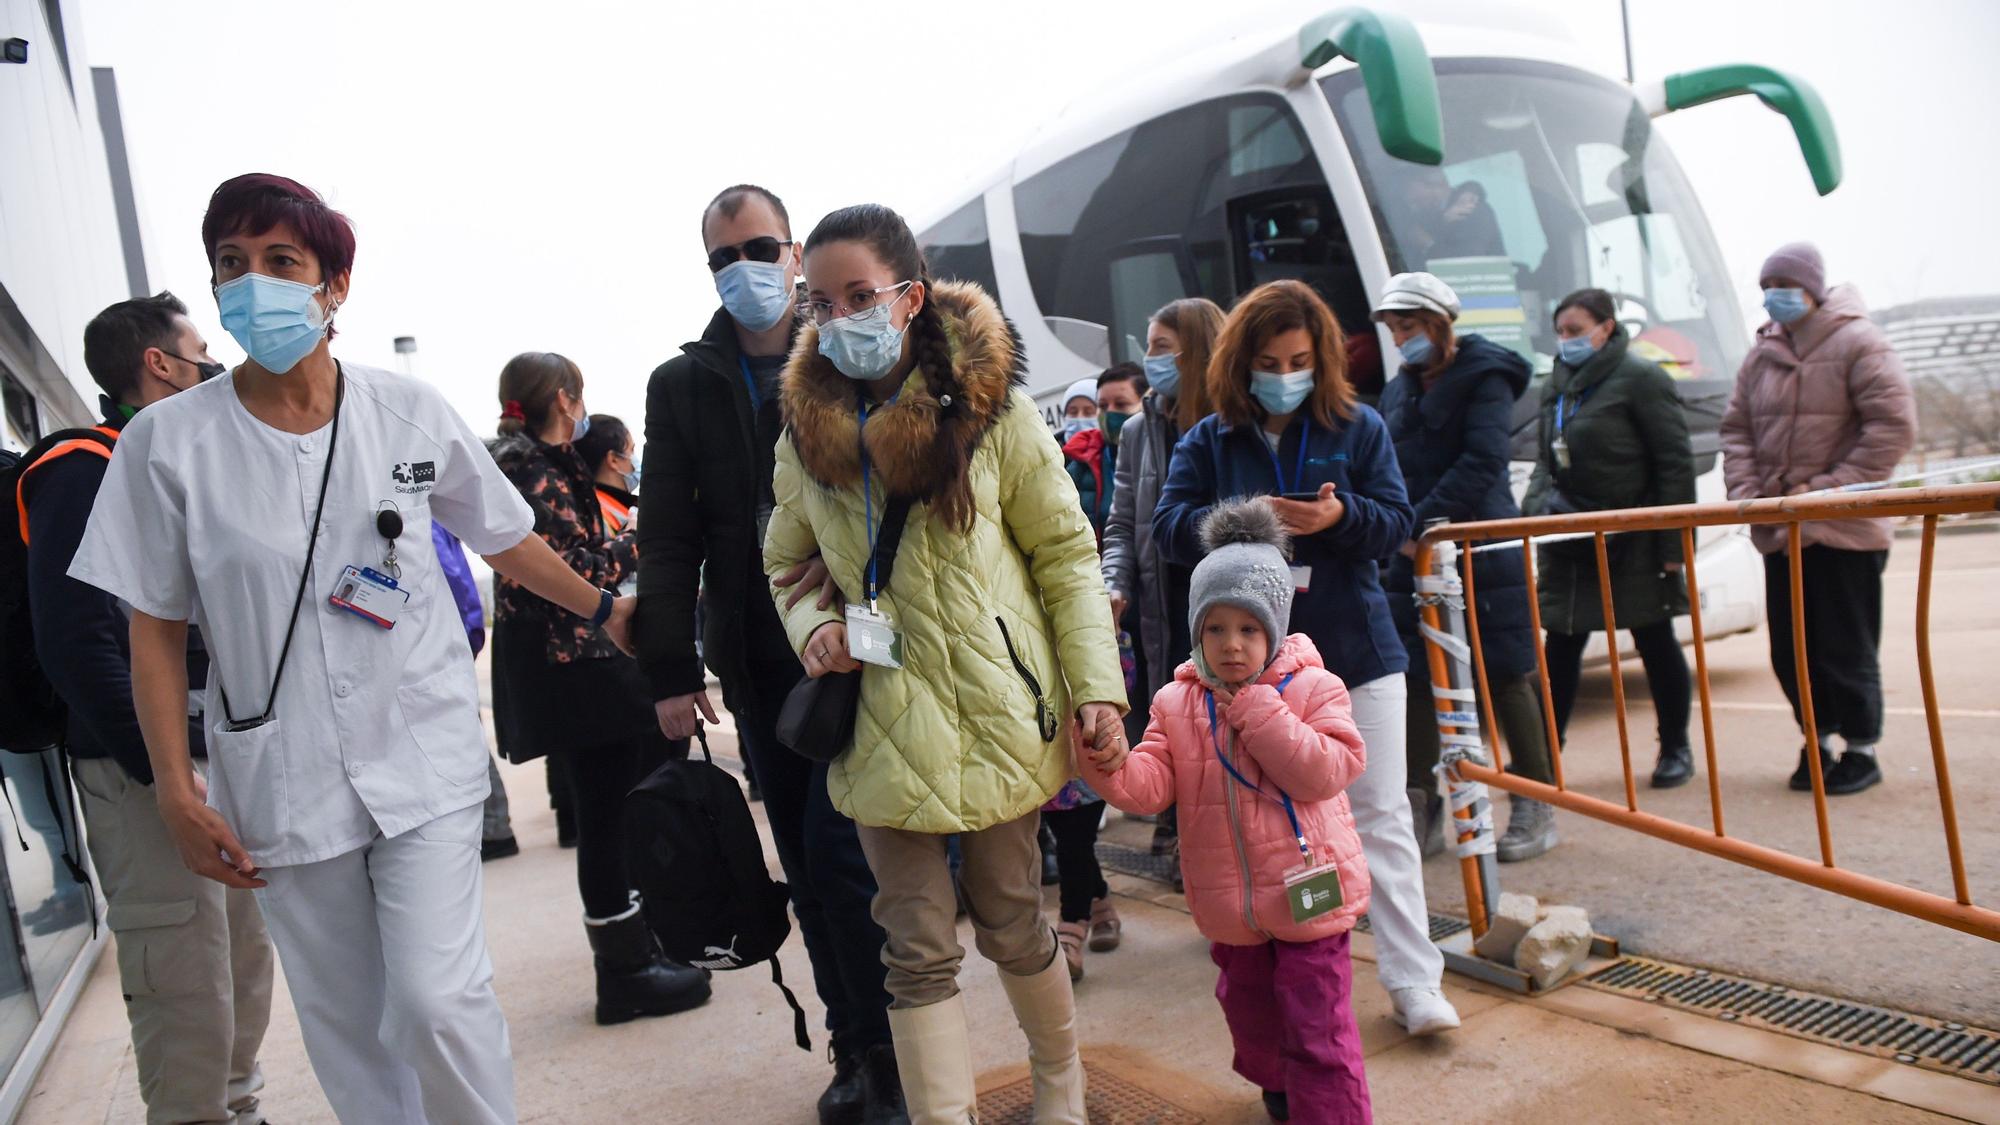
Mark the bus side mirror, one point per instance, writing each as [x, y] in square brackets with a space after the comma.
[1785, 93]
[1396, 69]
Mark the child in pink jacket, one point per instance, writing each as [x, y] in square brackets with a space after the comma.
[1254, 741]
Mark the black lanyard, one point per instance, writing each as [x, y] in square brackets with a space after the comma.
[305, 575]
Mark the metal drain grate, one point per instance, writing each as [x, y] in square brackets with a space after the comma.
[1442, 926]
[1933, 1044]
[1108, 1100]
[1136, 862]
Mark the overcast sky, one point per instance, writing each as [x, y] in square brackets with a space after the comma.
[530, 176]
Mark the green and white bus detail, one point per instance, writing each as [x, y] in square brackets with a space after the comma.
[1474, 142]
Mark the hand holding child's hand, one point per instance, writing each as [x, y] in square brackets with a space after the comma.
[1106, 731]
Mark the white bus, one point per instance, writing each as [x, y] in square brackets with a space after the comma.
[1334, 153]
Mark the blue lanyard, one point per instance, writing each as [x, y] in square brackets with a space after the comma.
[750, 384]
[868, 494]
[1298, 470]
[1215, 739]
[1562, 419]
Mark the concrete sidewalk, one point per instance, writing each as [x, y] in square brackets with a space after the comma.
[1153, 1035]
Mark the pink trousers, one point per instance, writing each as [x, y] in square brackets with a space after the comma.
[1292, 1022]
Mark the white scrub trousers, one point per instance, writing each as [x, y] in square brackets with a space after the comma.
[1397, 913]
[384, 950]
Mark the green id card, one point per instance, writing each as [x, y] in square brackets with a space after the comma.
[1313, 891]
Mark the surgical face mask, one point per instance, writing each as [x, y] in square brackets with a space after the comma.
[1281, 394]
[755, 293]
[1575, 350]
[1163, 373]
[581, 425]
[1786, 306]
[632, 478]
[865, 346]
[277, 322]
[1417, 350]
[1075, 426]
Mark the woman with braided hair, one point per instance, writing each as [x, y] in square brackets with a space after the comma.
[989, 645]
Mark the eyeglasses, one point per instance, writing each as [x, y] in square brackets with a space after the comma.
[867, 300]
[763, 248]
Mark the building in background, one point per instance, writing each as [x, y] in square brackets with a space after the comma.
[1951, 346]
[69, 246]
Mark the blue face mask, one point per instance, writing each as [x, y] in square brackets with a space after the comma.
[865, 346]
[1163, 374]
[1416, 350]
[1786, 306]
[632, 479]
[581, 428]
[1075, 426]
[755, 293]
[1575, 350]
[1281, 394]
[277, 322]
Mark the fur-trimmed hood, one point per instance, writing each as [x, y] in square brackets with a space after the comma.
[923, 440]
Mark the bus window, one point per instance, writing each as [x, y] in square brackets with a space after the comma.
[958, 249]
[1171, 208]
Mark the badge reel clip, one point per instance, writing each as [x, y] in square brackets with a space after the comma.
[372, 594]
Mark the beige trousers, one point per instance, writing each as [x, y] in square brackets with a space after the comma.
[914, 904]
[193, 959]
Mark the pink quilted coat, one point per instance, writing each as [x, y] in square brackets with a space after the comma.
[1237, 845]
[1822, 404]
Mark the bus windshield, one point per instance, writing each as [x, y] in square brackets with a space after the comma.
[1553, 180]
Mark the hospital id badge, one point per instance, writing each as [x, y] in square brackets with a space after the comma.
[872, 639]
[1302, 578]
[1560, 449]
[370, 595]
[1313, 890]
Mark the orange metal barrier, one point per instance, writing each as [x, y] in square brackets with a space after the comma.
[1436, 556]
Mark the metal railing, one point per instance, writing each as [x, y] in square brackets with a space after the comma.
[1458, 674]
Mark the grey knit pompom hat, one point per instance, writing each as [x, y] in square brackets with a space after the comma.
[1248, 566]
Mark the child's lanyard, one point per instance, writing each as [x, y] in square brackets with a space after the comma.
[1298, 470]
[867, 494]
[1215, 738]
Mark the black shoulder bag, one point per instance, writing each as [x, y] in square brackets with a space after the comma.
[817, 720]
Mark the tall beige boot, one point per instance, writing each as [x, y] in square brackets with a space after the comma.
[1047, 1014]
[934, 1054]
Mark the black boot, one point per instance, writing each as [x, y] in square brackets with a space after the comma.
[846, 1095]
[1802, 777]
[634, 978]
[1675, 767]
[884, 1085]
[1855, 771]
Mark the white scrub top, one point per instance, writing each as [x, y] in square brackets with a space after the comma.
[203, 516]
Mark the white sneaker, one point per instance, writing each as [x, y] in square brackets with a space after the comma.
[1424, 1011]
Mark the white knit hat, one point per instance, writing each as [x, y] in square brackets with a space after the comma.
[1082, 388]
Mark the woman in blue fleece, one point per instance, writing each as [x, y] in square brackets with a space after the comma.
[1287, 426]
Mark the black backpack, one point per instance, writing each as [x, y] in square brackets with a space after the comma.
[32, 715]
[699, 866]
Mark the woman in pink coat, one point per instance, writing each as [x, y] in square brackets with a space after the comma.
[1254, 740]
[1822, 401]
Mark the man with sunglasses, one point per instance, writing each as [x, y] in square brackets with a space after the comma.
[194, 961]
[712, 426]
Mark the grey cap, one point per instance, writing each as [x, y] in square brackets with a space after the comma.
[1248, 566]
[1408, 292]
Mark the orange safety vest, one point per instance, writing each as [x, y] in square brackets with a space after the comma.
[616, 513]
[57, 450]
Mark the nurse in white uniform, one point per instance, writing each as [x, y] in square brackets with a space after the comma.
[347, 760]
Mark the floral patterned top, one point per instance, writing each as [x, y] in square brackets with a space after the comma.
[558, 487]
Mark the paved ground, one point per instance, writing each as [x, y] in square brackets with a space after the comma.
[1146, 1011]
[1665, 901]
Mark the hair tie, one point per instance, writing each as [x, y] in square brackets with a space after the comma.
[512, 409]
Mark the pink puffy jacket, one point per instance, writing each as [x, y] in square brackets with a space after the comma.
[1237, 845]
[1822, 404]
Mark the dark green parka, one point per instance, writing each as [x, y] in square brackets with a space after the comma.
[1628, 448]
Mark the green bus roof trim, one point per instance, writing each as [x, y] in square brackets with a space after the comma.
[1396, 69]
[1785, 93]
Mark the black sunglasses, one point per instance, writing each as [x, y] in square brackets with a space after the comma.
[760, 249]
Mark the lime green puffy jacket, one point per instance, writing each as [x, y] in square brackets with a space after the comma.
[952, 741]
